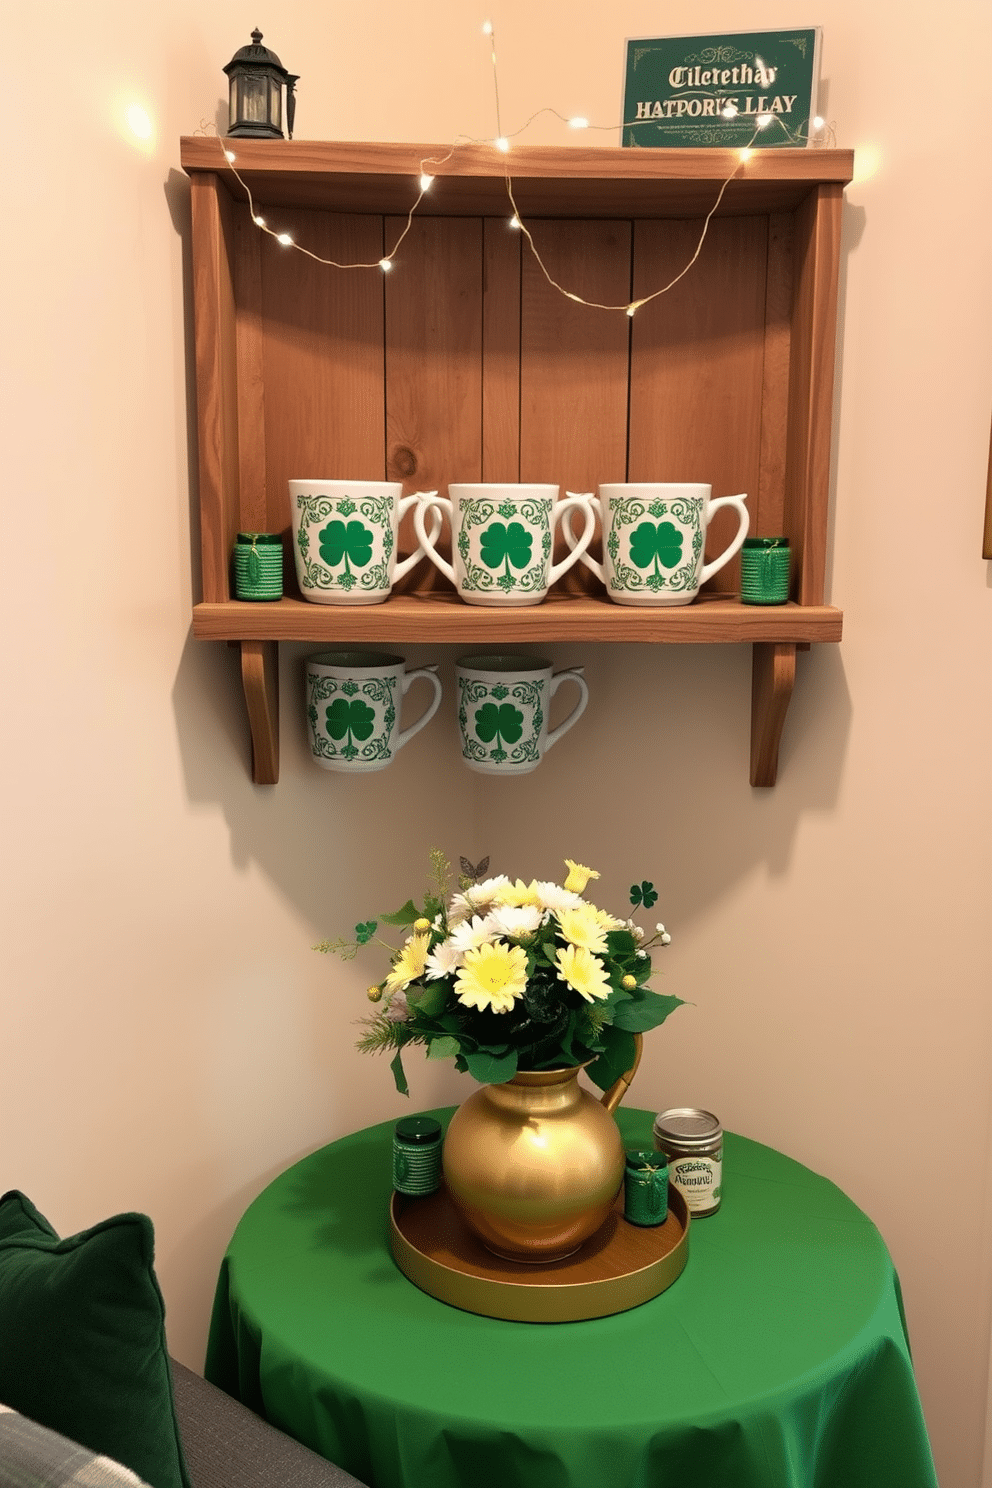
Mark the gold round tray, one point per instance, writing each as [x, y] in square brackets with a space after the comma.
[619, 1267]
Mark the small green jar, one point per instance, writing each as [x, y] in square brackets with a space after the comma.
[645, 1188]
[258, 566]
[417, 1155]
[765, 570]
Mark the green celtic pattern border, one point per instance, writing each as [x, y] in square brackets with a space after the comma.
[380, 691]
[625, 510]
[472, 692]
[536, 513]
[375, 509]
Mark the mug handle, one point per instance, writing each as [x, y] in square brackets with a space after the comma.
[439, 504]
[563, 509]
[743, 522]
[570, 674]
[432, 707]
[576, 544]
[405, 564]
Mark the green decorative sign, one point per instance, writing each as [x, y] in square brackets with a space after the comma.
[715, 91]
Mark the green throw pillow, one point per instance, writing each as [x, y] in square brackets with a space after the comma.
[82, 1338]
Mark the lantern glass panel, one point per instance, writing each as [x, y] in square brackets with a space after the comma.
[275, 102]
[249, 99]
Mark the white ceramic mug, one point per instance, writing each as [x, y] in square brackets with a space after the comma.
[502, 538]
[344, 539]
[654, 535]
[503, 705]
[353, 701]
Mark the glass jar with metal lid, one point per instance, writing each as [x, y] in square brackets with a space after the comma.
[693, 1140]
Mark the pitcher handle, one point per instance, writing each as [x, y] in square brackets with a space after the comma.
[612, 1097]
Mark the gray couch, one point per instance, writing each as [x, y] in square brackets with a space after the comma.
[225, 1446]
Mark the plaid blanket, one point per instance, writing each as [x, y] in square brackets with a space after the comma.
[33, 1457]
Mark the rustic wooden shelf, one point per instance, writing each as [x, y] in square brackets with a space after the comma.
[464, 364]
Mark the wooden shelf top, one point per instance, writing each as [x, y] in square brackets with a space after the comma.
[439, 618]
[471, 180]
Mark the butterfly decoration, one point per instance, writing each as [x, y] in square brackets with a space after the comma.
[473, 874]
[643, 893]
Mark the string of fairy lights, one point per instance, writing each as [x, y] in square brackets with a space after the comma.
[501, 142]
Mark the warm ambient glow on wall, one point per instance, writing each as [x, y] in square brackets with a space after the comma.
[502, 143]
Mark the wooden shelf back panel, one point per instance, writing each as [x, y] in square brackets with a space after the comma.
[575, 359]
[698, 353]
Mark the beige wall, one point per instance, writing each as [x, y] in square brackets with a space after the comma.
[170, 1040]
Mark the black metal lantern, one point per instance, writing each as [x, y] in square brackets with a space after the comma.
[257, 78]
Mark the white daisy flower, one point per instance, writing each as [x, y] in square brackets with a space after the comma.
[469, 934]
[443, 960]
[553, 897]
[513, 920]
[476, 899]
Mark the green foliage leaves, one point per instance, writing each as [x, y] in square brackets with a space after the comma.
[643, 893]
[491, 1069]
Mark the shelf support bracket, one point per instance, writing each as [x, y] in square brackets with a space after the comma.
[260, 680]
[773, 675]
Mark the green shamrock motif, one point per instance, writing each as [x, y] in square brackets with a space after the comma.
[506, 543]
[340, 541]
[355, 718]
[643, 893]
[502, 722]
[364, 931]
[654, 543]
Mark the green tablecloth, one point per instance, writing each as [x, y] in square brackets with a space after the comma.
[777, 1360]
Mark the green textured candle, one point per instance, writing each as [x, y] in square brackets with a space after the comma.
[765, 570]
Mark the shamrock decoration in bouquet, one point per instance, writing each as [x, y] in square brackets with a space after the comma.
[504, 975]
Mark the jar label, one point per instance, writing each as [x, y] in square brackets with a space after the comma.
[698, 1180]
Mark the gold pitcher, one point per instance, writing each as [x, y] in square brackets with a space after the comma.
[535, 1164]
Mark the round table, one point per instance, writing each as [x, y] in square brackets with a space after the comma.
[778, 1359]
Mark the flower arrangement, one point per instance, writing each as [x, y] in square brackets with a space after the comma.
[505, 976]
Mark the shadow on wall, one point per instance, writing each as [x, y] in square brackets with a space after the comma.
[652, 780]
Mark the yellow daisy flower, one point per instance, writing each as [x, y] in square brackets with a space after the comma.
[518, 893]
[581, 927]
[582, 971]
[492, 976]
[578, 876]
[409, 964]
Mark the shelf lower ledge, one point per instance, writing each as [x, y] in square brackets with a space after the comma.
[419, 619]
[774, 633]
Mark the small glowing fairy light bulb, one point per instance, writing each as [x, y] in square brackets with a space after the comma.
[515, 222]
[487, 28]
[746, 153]
[578, 122]
[284, 239]
[230, 156]
[385, 264]
[730, 112]
[763, 121]
[502, 144]
[818, 122]
[426, 182]
[258, 221]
